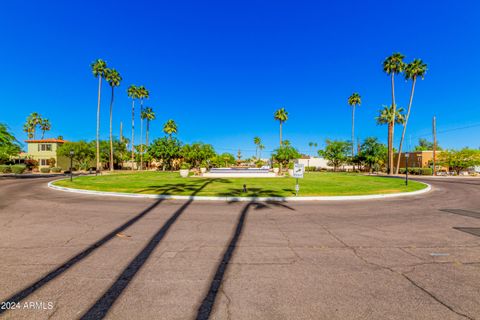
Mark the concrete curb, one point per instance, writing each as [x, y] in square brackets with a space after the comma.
[230, 199]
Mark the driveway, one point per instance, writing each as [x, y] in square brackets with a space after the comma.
[72, 256]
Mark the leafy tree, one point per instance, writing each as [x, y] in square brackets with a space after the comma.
[99, 68]
[83, 152]
[459, 160]
[336, 152]
[134, 94]
[413, 70]
[374, 153]
[165, 150]
[285, 153]
[390, 116]
[223, 160]
[114, 79]
[281, 115]
[170, 127]
[391, 66]
[44, 126]
[354, 100]
[9, 146]
[198, 152]
[425, 145]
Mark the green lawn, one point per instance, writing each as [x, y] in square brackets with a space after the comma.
[314, 184]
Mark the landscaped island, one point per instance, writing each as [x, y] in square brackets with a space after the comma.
[170, 183]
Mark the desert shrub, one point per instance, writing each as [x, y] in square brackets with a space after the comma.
[18, 168]
[56, 169]
[45, 170]
[4, 168]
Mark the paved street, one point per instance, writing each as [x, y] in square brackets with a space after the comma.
[70, 256]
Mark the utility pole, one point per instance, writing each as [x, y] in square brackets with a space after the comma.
[434, 128]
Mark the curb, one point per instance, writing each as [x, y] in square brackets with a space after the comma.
[231, 199]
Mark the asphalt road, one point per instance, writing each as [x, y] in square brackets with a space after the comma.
[69, 256]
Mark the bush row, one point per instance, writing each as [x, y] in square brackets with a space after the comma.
[16, 168]
[417, 171]
[48, 170]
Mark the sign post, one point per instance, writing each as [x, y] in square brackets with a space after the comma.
[298, 170]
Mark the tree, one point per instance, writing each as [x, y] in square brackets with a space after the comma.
[44, 126]
[198, 152]
[223, 160]
[83, 152]
[148, 114]
[459, 160]
[257, 141]
[9, 146]
[170, 127]
[425, 145]
[390, 116]
[311, 145]
[114, 79]
[373, 153]
[143, 93]
[133, 93]
[281, 116]
[336, 152]
[391, 66]
[285, 153]
[354, 100]
[99, 68]
[33, 120]
[260, 148]
[413, 70]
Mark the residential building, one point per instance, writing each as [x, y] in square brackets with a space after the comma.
[417, 159]
[46, 149]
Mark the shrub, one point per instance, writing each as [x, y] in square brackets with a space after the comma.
[45, 170]
[427, 171]
[56, 169]
[5, 168]
[18, 168]
[51, 162]
[31, 164]
[276, 165]
[291, 165]
[310, 168]
[185, 166]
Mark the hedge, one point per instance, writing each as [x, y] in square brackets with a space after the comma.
[417, 171]
[18, 168]
[45, 170]
[4, 168]
[56, 169]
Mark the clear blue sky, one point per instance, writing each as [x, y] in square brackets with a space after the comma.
[221, 68]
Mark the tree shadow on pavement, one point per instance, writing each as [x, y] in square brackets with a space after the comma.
[101, 307]
[205, 309]
[179, 188]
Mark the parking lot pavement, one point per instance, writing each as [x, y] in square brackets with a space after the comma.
[71, 256]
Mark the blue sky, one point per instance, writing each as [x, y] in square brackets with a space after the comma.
[221, 68]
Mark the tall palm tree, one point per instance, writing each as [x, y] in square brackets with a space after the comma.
[413, 70]
[393, 65]
[99, 68]
[44, 126]
[261, 147]
[281, 115]
[149, 115]
[132, 92]
[257, 141]
[390, 116]
[354, 100]
[143, 93]
[170, 127]
[114, 79]
[30, 126]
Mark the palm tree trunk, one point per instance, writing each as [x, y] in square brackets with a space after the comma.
[43, 134]
[141, 135]
[148, 129]
[280, 133]
[353, 134]
[405, 124]
[390, 152]
[111, 139]
[98, 121]
[390, 148]
[133, 132]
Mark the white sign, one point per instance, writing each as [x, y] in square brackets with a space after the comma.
[298, 170]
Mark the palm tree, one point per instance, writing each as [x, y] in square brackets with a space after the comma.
[393, 65]
[148, 114]
[260, 148]
[169, 128]
[354, 100]
[257, 141]
[143, 93]
[132, 92]
[99, 68]
[30, 125]
[114, 79]
[413, 70]
[281, 116]
[390, 116]
[44, 126]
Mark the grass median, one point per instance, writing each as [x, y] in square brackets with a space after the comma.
[313, 184]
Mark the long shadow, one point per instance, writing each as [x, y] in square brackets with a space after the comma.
[101, 307]
[17, 297]
[205, 309]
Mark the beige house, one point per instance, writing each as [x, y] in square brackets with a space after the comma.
[45, 149]
[417, 159]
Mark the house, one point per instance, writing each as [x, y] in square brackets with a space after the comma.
[45, 149]
[417, 159]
